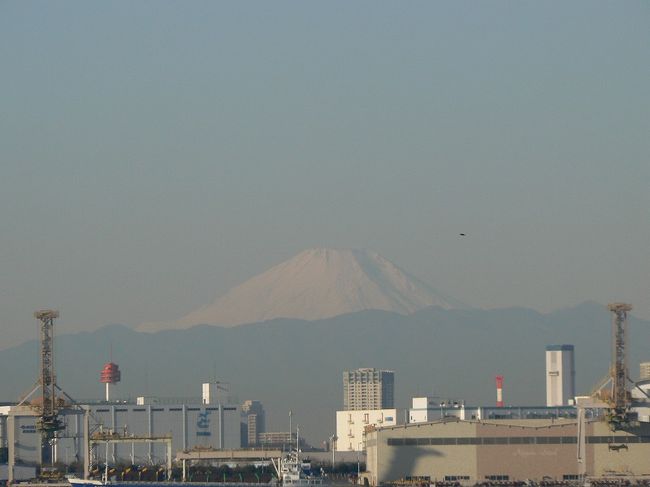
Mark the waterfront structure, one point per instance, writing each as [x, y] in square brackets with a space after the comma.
[352, 425]
[644, 371]
[560, 375]
[473, 451]
[368, 389]
[191, 425]
[253, 414]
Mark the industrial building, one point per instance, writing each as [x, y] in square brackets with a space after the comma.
[473, 451]
[189, 425]
[368, 389]
[560, 375]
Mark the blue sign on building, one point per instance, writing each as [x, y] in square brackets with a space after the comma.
[203, 424]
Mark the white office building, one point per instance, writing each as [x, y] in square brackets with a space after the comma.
[560, 375]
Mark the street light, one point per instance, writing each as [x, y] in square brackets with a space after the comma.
[359, 446]
[333, 438]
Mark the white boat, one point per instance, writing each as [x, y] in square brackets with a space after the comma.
[293, 471]
[77, 482]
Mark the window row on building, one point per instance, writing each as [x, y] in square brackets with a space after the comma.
[516, 440]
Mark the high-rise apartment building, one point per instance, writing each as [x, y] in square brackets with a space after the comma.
[253, 411]
[368, 389]
[644, 369]
[560, 375]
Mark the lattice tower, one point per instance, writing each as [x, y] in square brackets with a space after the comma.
[619, 369]
[48, 422]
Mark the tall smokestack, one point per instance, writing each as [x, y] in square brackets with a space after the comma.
[499, 381]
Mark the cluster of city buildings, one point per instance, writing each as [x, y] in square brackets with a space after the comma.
[568, 439]
[436, 440]
[369, 400]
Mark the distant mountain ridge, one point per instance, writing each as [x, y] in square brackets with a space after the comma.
[297, 365]
[316, 284]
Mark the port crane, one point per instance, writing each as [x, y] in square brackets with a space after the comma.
[617, 397]
[47, 406]
[52, 399]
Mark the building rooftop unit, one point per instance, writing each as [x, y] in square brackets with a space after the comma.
[419, 413]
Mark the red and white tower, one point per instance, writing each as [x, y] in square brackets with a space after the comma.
[499, 381]
[110, 375]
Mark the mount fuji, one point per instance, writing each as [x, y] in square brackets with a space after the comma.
[316, 284]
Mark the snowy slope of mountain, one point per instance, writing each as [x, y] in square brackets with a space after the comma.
[316, 284]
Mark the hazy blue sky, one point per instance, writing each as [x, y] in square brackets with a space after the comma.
[154, 154]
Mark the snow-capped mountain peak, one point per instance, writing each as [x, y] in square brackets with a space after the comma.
[317, 283]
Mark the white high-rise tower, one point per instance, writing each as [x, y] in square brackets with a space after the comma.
[560, 375]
